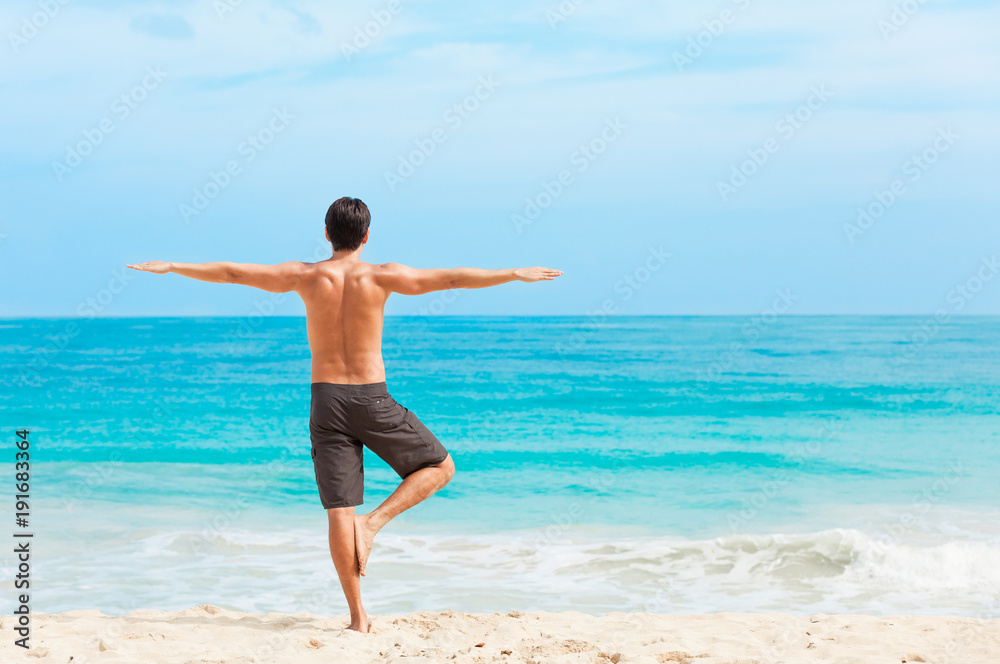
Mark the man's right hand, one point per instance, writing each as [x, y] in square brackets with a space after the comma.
[156, 267]
[533, 274]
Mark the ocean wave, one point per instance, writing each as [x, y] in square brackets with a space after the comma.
[833, 571]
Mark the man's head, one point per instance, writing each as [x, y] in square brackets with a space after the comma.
[347, 223]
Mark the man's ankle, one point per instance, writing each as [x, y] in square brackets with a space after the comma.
[376, 521]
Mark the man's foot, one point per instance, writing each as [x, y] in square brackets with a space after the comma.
[359, 623]
[364, 536]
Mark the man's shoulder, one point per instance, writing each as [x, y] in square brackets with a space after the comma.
[388, 269]
[372, 272]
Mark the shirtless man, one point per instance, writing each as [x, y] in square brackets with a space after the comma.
[345, 298]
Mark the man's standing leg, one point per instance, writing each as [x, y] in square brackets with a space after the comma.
[345, 559]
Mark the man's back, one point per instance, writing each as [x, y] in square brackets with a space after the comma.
[344, 307]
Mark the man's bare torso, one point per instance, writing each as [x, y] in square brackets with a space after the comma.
[344, 309]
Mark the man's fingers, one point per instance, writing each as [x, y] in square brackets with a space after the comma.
[544, 274]
[149, 266]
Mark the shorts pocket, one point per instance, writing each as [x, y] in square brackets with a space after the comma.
[379, 413]
[422, 432]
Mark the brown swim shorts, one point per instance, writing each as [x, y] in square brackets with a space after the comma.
[342, 418]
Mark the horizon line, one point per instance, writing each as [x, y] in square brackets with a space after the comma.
[525, 316]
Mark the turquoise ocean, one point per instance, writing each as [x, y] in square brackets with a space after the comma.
[670, 465]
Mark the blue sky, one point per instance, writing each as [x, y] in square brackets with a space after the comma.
[627, 124]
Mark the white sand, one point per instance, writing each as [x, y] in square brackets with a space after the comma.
[208, 634]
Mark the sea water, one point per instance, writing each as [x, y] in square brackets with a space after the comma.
[670, 465]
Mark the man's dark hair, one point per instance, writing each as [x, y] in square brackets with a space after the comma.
[347, 222]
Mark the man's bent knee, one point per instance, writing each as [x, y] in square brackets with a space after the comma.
[448, 466]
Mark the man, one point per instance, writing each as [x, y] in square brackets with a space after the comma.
[351, 407]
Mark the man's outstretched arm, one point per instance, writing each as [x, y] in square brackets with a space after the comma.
[279, 278]
[411, 281]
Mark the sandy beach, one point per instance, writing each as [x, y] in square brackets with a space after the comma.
[211, 634]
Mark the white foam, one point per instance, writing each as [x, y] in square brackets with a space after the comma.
[832, 571]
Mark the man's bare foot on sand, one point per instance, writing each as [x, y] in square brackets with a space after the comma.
[364, 536]
[359, 623]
